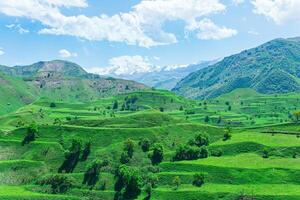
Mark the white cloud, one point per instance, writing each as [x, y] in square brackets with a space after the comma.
[126, 65]
[142, 26]
[1, 51]
[18, 27]
[280, 11]
[63, 53]
[238, 2]
[207, 30]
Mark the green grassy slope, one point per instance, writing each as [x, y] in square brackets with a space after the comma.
[164, 118]
[269, 68]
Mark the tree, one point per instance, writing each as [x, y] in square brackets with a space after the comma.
[181, 108]
[128, 182]
[297, 115]
[157, 155]
[115, 105]
[71, 157]
[161, 109]
[217, 153]
[206, 119]
[59, 183]
[129, 147]
[198, 180]
[265, 153]
[52, 105]
[91, 176]
[200, 140]
[86, 151]
[176, 182]
[227, 136]
[148, 190]
[124, 159]
[145, 144]
[31, 134]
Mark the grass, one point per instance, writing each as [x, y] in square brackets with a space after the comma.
[241, 168]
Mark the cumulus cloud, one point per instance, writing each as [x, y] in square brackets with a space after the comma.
[280, 11]
[126, 65]
[207, 30]
[63, 53]
[143, 25]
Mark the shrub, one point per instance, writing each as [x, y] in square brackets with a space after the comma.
[91, 176]
[200, 140]
[227, 136]
[206, 119]
[217, 153]
[145, 144]
[157, 155]
[52, 105]
[71, 157]
[86, 151]
[31, 134]
[176, 182]
[187, 153]
[115, 105]
[59, 183]
[265, 153]
[128, 182]
[198, 180]
[124, 158]
[129, 147]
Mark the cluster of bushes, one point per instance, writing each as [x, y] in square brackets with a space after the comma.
[195, 149]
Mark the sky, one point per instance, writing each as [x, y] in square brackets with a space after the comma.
[139, 35]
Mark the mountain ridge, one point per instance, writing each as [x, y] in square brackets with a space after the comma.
[273, 67]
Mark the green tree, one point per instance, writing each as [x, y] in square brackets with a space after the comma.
[200, 140]
[206, 119]
[124, 159]
[86, 151]
[115, 105]
[91, 176]
[129, 147]
[128, 182]
[198, 180]
[145, 144]
[297, 115]
[157, 154]
[31, 134]
[52, 105]
[71, 157]
[59, 183]
[265, 153]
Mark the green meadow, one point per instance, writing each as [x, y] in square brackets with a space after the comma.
[252, 152]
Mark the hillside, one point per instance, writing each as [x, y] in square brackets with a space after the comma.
[61, 81]
[251, 164]
[14, 93]
[273, 67]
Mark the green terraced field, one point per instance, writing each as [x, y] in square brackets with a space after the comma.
[261, 123]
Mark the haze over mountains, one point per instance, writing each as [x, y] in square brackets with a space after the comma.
[273, 67]
[155, 76]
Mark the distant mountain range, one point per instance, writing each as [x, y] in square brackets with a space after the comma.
[58, 81]
[273, 67]
[159, 77]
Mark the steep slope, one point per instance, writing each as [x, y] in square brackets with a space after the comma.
[273, 67]
[14, 93]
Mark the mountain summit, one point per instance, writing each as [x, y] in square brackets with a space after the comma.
[273, 67]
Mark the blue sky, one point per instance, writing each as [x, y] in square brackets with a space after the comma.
[135, 32]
